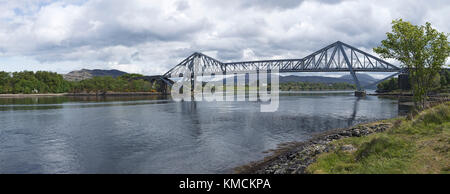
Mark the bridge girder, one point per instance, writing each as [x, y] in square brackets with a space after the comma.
[337, 57]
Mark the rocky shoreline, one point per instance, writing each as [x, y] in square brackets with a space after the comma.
[294, 158]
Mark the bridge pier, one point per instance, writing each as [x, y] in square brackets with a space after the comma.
[360, 93]
[403, 81]
[163, 82]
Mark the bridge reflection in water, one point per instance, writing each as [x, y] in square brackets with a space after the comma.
[351, 117]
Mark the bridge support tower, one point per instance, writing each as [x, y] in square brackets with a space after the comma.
[360, 93]
[403, 81]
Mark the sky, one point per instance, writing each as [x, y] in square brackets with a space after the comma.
[150, 37]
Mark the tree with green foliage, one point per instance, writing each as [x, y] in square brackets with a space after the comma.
[301, 86]
[421, 49]
[130, 76]
[445, 78]
[5, 79]
[107, 83]
[388, 85]
[55, 83]
[27, 82]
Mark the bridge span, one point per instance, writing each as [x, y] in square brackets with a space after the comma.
[336, 57]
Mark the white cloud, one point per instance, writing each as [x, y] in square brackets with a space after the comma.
[150, 37]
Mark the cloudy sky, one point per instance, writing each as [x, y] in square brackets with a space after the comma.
[150, 37]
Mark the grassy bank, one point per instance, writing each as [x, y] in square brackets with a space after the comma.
[418, 144]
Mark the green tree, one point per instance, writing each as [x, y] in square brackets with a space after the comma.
[54, 82]
[445, 78]
[25, 82]
[388, 85]
[421, 49]
[5, 80]
[130, 76]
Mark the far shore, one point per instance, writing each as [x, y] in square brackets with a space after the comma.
[433, 97]
[80, 94]
[122, 94]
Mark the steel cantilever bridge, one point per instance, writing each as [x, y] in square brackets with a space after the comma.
[336, 57]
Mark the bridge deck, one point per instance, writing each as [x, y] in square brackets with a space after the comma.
[336, 57]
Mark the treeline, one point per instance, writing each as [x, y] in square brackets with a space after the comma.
[107, 83]
[388, 85]
[300, 86]
[28, 82]
[440, 81]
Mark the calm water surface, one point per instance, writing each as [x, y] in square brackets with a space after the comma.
[157, 135]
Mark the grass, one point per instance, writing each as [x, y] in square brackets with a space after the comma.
[419, 144]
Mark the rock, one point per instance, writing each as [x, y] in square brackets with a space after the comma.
[281, 171]
[345, 133]
[290, 157]
[299, 158]
[356, 133]
[334, 136]
[321, 142]
[300, 170]
[348, 148]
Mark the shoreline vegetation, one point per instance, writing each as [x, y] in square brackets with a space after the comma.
[417, 143]
[312, 86]
[438, 97]
[43, 83]
[439, 87]
[80, 94]
[46, 83]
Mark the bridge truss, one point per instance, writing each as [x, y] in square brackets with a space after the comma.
[337, 57]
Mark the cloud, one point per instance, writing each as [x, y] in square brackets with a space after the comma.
[150, 37]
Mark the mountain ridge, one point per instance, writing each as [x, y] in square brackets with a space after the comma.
[363, 78]
[83, 74]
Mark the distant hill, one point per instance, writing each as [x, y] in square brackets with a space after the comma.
[361, 77]
[86, 74]
[315, 79]
[364, 79]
